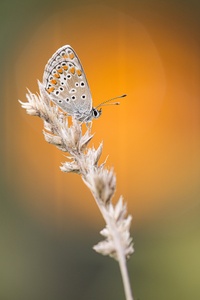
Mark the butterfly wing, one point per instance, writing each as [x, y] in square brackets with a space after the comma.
[65, 81]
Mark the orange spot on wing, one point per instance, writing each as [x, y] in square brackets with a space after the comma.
[53, 81]
[65, 56]
[60, 70]
[71, 55]
[72, 70]
[50, 90]
[65, 67]
[57, 75]
[78, 72]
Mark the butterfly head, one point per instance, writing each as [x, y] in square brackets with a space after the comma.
[96, 113]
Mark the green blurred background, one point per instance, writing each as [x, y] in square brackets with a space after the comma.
[48, 220]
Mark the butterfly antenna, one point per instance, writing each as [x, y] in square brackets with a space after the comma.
[115, 103]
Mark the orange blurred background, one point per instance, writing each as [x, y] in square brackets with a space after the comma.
[150, 51]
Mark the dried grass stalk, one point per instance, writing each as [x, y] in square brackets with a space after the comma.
[101, 181]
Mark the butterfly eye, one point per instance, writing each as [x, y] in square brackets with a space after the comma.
[62, 53]
[54, 72]
[60, 101]
[57, 92]
[70, 65]
[64, 78]
[67, 99]
[69, 76]
[72, 91]
[61, 89]
[83, 96]
[96, 113]
[63, 64]
[73, 97]
[62, 83]
[76, 84]
[50, 77]
[82, 83]
[58, 67]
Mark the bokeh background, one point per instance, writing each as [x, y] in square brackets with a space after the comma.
[48, 220]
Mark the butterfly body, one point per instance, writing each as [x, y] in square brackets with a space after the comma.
[65, 82]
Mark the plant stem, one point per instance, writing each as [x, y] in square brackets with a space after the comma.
[120, 252]
[125, 278]
[121, 260]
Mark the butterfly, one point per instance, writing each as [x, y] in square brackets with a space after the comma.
[65, 81]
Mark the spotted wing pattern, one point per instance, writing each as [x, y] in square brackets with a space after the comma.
[65, 81]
